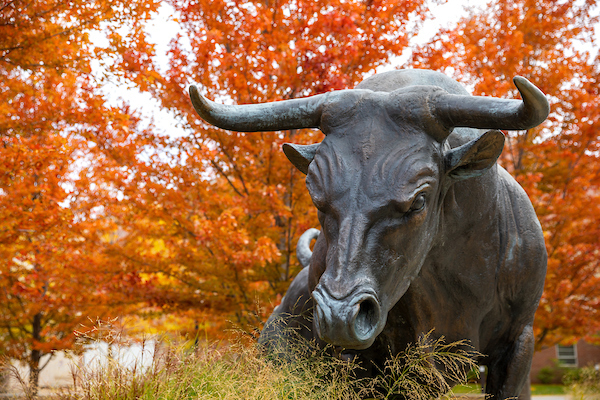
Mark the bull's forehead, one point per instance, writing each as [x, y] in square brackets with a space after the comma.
[372, 168]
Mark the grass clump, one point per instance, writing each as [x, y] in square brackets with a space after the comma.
[426, 370]
[235, 372]
[242, 371]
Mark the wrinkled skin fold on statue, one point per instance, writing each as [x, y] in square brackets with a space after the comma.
[421, 230]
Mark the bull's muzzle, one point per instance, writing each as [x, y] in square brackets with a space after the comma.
[352, 322]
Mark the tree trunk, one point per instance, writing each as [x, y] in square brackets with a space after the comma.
[35, 357]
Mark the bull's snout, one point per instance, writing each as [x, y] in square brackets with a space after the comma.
[352, 322]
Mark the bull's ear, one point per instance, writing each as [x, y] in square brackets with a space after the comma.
[300, 155]
[475, 157]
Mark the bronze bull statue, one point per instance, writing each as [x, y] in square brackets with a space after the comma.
[421, 229]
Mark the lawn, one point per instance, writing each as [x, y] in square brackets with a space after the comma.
[547, 389]
[468, 388]
[535, 389]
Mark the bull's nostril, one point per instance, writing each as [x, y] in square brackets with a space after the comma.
[366, 319]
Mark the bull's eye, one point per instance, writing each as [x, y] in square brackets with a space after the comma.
[418, 204]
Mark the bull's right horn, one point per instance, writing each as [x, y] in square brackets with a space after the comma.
[493, 113]
[275, 116]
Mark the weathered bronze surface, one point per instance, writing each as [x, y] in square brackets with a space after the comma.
[421, 229]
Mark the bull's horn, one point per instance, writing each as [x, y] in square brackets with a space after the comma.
[275, 116]
[492, 113]
[303, 251]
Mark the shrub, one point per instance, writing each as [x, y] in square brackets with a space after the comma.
[546, 375]
[551, 374]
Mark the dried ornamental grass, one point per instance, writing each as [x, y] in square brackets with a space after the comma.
[243, 372]
[583, 383]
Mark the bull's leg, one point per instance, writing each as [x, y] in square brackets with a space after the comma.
[508, 370]
[526, 392]
[291, 321]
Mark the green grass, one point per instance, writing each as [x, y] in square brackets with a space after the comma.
[539, 390]
[467, 388]
[542, 390]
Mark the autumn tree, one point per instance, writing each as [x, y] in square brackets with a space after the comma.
[558, 163]
[212, 218]
[53, 126]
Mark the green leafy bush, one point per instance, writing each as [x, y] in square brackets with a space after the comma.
[551, 374]
[546, 375]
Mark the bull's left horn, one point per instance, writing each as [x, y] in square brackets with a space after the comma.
[493, 113]
[275, 116]
[303, 251]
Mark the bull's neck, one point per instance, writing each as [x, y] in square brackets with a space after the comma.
[470, 206]
[469, 215]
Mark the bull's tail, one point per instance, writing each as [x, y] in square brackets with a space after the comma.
[303, 251]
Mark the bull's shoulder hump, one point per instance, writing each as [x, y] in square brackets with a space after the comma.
[514, 191]
[392, 80]
[513, 198]
[402, 78]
